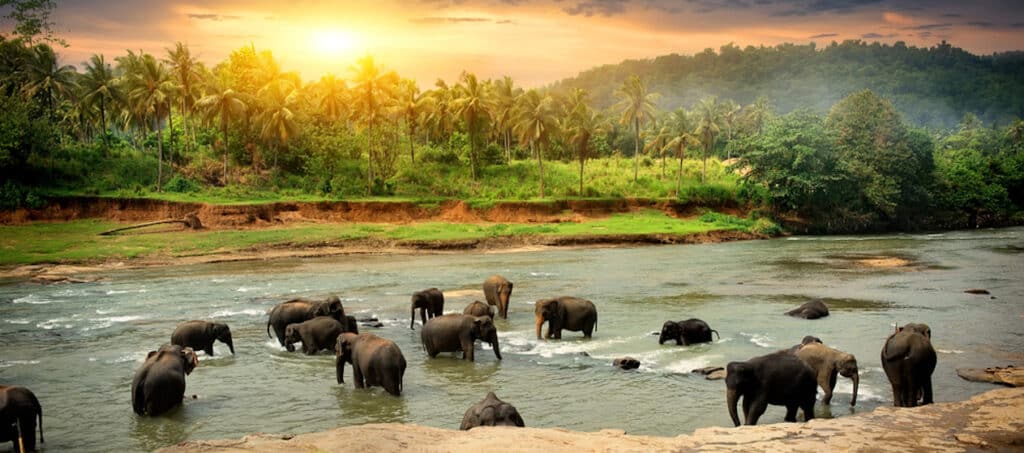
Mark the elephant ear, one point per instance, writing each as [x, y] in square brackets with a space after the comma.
[191, 360]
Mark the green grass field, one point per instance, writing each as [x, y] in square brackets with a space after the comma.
[79, 241]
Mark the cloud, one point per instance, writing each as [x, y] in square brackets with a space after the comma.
[213, 17]
[813, 7]
[447, 20]
[981, 24]
[930, 27]
[823, 35]
[952, 15]
[600, 7]
[874, 35]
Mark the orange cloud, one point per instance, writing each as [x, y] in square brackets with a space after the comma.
[897, 18]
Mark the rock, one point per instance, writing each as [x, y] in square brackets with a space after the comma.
[626, 363]
[976, 291]
[707, 370]
[375, 325]
[368, 319]
[1009, 375]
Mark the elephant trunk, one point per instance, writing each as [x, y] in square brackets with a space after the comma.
[340, 369]
[540, 323]
[856, 383]
[231, 344]
[494, 344]
[662, 337]
[412, 317]
[732, 396]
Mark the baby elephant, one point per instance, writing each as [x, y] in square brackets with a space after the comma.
[19, 408]
[375, 361]
[452, 333]
[811, 310]
[909, 360]
[827, 363]
[200, 335]
[690, 331]
[491, 411]
[159, 385]
[316, 334]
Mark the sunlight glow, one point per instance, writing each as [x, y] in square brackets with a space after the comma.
[334, 42]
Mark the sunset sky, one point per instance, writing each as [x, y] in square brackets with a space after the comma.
[534, 41]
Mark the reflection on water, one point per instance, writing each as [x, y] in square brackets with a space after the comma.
[78, 346]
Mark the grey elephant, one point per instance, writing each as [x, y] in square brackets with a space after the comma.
[375, 361]
[200, 335]
[808, 339]
[456, 332]
[827, 363]
[430, 302]
[19, 409]
[909, 359]
[491, 411]
[315, 334]
[299, 310]
[779, 378]
[477, 308]
[159, 385]
[565, 313]
[811, 310]
[690, 331]
[497, 291]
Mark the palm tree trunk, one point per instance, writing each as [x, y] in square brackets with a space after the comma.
[662, 165]
[160, 155]
[540, 166]
[103, 124]
[581, 176]
[679, 174]
[170, 139]
[369, 161]
[412, 139]
[225, 127]
[636, 148]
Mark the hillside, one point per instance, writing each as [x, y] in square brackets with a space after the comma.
[932, 87]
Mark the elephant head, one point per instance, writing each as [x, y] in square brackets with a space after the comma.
[291, 336]
[330, 307]
[847, 366]
[343, 353]
[190, 360]
[484, 330]
[223, 334]
[738, 379]
[549, 310]
[669, 331]
[918, 327]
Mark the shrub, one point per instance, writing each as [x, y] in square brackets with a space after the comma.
[766, 227]
[179, 184]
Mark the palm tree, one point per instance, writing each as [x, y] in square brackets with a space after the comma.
[278, 116]
[472, 105]
[187, 74]
[729, 113]
[581, 125]
[333, 97]
[150, 91]
[438, 110]
[503, 95]
[371, 93]
[100, 89]
[709, 116]
[658, 135]
[226, 104]
[46, 78]
[1015, 132]
[636, 105]
[679, 124]
[410, 105]
[535, 123]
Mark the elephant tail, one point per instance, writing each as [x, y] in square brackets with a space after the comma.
[716, 334]
[268, 329]
[139, 396]
[39, 410]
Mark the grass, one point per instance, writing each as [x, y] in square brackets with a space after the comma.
[79, 241]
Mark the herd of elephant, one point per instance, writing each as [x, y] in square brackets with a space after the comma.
[788, 377]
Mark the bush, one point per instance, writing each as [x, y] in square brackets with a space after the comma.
[179, 184]
[766, 227]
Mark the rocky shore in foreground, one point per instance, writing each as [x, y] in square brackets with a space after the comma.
[990, 421]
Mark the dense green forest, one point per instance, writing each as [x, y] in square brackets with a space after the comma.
[932, 87]
[245, 128]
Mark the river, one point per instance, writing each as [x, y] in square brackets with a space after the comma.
[77, 346]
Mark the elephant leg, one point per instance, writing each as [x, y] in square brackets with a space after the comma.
[588, 331]
[897, 394]
[209, 349]
[423, 315]
[827, 382]
[757, 408]
[28, 432]
[791, 412]
[558, 334]
[679, 341]
[926, 388]
[808, 408]
[357, 375]
[467, 351]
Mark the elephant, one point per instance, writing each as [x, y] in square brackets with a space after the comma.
[200, 335]
[811, 310]
[497, 290]
[375, 361]
[491, 411]
[452, 333]
[808, 339]
[779, 378]
[827, 363]
[626, 363]
[568, 313]
[299, 310]
[430, 302]
[19, 408]
[316, 334]
[159, 385]
[909, 360]
[477, 308]
[690, 331]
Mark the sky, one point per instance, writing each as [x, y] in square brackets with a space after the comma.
[534, 41]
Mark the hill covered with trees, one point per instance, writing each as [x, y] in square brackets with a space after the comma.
[932, 87]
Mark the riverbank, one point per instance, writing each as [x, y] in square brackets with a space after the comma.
[989, 421]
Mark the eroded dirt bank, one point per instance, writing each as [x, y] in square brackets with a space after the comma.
[990, 421]
[234, 216]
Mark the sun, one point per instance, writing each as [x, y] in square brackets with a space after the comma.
[334, 42]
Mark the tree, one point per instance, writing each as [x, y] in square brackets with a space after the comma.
[373, 88]
[636, 105]
[32, 18]
[709, 116]
[101, 89]
[410, 105]
[47, 79]
[223, 103]
[504, 94]
[581, 125]
[187, 74]
[681, 129]
[535, 123]
[966, 185]
[334, 98]
[278, 115]
[471, 103]
[150, 91]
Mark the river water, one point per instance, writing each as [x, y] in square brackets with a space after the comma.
[77, 346]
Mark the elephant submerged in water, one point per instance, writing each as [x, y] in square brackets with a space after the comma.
[159, 385]
[430, 302]
[299, 310]
[827, 363]
[909, 359]
[19, 409]
[200, 335]
[811, 310]
[491, 411]
[452, 333]
[779, 378]
[565, 313]
[375, 361]
[690, 331]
